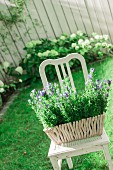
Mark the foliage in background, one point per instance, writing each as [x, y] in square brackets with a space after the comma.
[7, 88]
[55, 106]
[92, 47]
[15, 12]
[13, 82]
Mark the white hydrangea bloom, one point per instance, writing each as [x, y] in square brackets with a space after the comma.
[80, 33]
[40, 54]
[62, 37]
[87, 42]
[1, 83]
[94, 34]
[6, 64]
[28, 56]
[55, 41]
[89, 46]
[80, 41]
[73, 45]
[92, 39]
[29, 101]
[54, 52]
[72, 35]
[104, 44]
[1, 90]
[98, 44]
[101, 37]
[38, 42]
[77, 47]
[83, 44]
[19, 69]
[20, 80]
[106, 37]
[109, 45]
[96, 37]
[46, 53]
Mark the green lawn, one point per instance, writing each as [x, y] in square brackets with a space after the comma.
[24, 145]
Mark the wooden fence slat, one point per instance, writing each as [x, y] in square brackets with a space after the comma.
[29, 7]
[66, 7]
[7, 47]
[52, 17]
[85, 16]
[100, 16]
[77, 15]
[40, 27]
[108, 17]
[93, 17]
[45, 20]
[110, 3]
[62, 20]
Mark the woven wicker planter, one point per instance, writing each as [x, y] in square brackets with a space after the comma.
[84, 128]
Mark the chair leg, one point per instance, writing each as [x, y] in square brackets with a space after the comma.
[107, 156]
[60, 163]
[55, 164]
[70, 163]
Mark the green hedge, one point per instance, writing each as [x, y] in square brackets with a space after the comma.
[92, 47]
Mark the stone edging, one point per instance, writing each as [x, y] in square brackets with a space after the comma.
[6, 106]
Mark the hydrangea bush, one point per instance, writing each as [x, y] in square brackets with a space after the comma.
[58, 106]
[92, 47]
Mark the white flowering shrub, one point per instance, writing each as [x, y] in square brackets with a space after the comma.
[93, 47]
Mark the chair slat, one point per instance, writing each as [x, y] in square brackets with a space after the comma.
[63, 70]
[59, 75]
[70, 76]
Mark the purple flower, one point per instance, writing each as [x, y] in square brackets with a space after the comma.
[37, 96]
[98, 81]
[43, 93]
[48, 85]
[89, 76]
[52, 89]
[66, 94]
[47, 106]
[91, 70]
[109, 82]
[97, 86]
[106, 94]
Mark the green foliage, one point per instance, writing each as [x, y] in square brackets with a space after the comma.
[15, 13]
[13, 83]
[58, 106]
[92, 47]
[5, 87]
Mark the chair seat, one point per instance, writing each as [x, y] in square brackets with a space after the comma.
[78, 145]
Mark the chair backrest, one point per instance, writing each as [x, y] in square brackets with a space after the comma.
[61, 62]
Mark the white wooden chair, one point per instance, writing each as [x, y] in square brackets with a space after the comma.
[80, 147]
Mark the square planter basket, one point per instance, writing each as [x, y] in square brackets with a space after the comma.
[78, 130]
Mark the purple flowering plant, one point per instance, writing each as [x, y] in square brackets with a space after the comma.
[56, 105]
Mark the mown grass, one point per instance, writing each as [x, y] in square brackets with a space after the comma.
[24, 145]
